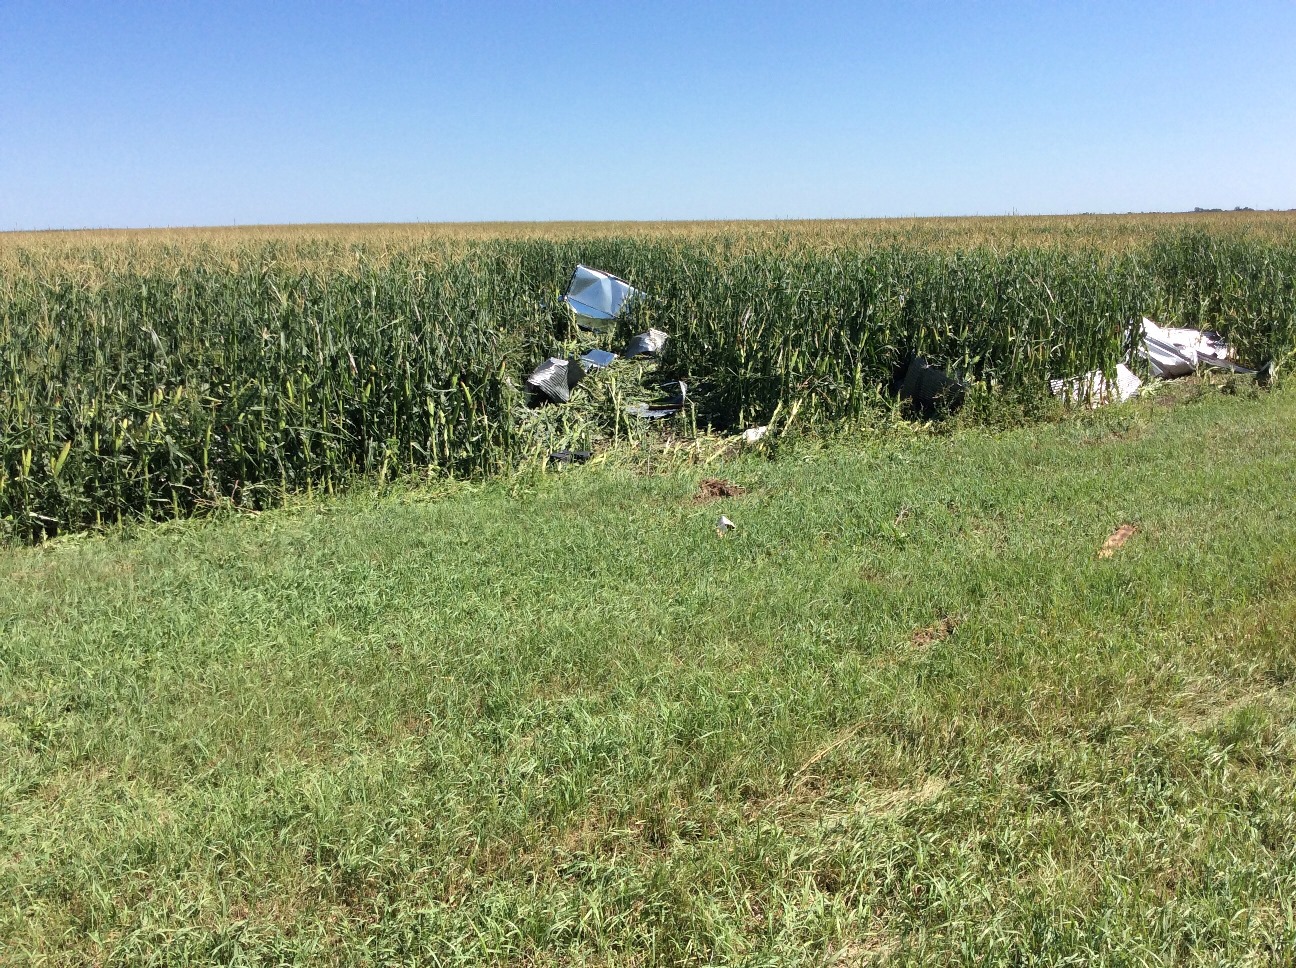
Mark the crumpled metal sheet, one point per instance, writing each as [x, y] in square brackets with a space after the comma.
[555, 378]
[1178, 351]
[598, 295]
[652, 341]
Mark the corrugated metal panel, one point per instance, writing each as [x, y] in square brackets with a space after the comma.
[555, 378]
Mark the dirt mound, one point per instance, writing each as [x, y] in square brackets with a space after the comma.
[713, 488]
[934, 633]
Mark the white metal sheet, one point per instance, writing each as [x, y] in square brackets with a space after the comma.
[598, 295]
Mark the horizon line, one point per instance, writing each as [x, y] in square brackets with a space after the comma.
[649, 221]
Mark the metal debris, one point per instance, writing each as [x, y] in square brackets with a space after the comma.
[724, 526]
[647, 412]
[1229, 366]
[597, 359]
[754, 434]
[597, 296]
[676, 396]
[650, 342]
[1172, 351]
[1095, 389]
[570, 456]
[555, 378]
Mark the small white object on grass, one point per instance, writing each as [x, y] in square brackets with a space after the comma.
[724, 526]
[752, 434]
[1094, 389]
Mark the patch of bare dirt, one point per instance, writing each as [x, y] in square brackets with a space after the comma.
[934, 633]
[713, 488]
[1116, 540]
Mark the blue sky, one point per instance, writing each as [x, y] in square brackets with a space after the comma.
[189, 113]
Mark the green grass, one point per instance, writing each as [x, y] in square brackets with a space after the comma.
[557, 719]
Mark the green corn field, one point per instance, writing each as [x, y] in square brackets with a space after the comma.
[162, 375]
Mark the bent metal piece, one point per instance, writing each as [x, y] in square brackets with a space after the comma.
[648, 412]
[676, 396]
[598, 296]
[650, 342]
[570, 456]
[597, 359]
[1177, 351]
[555, 378]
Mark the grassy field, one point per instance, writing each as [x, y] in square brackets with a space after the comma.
[158, 375]
[904, 713]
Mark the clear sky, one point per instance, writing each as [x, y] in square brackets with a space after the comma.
[122, 113]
